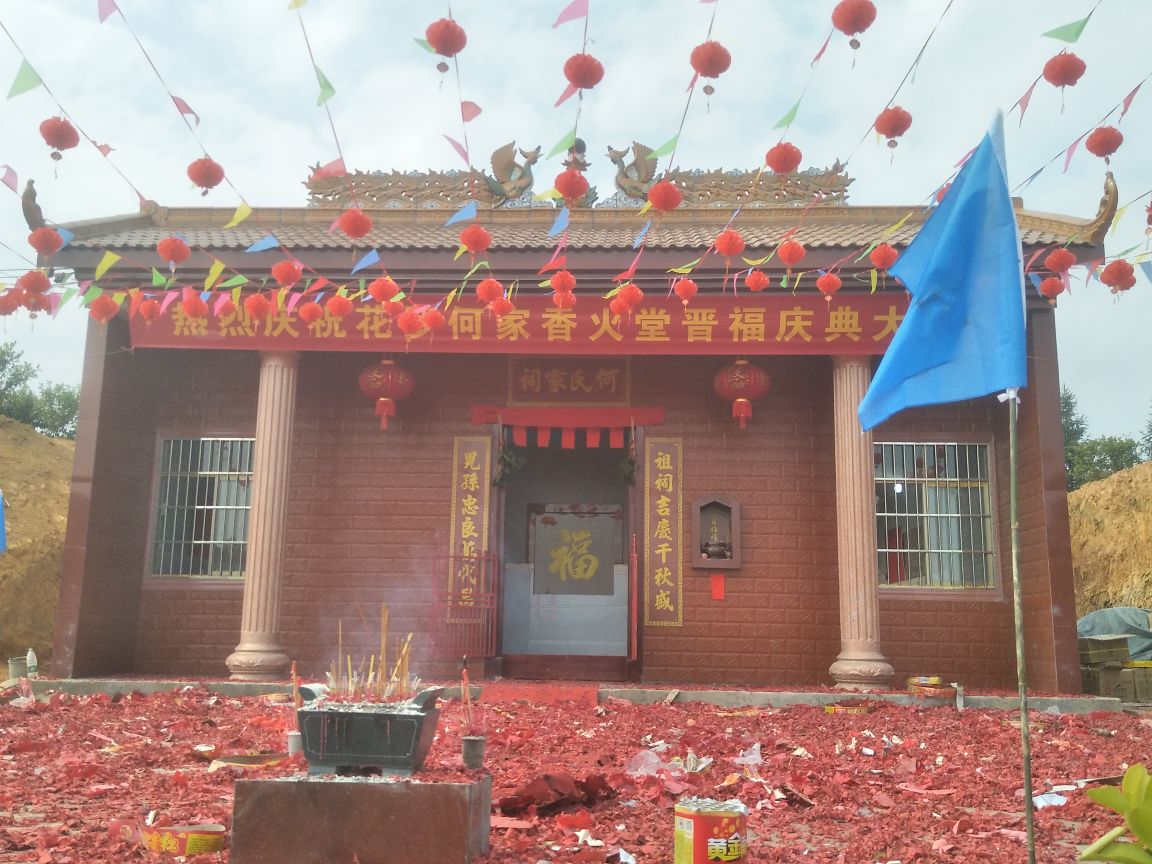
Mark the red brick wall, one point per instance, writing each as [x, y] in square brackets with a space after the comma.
[369, 510]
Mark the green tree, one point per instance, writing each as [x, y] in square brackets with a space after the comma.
[52, 410]
[1087, 459]
[1097, 458]
[1075, 428]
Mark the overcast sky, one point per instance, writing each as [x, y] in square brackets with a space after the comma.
[244, 68]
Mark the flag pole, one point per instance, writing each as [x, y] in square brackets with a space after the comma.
[1013, 400]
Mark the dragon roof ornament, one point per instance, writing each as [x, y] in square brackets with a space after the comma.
[510, 185]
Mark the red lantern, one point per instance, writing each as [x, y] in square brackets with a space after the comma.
[287, 272]
[149, 309]
[10, 301]
[386, 382]
[258, 307]
[710, 59]
[226, 308]
[408, 322]
[1119, 276]
[572, 185]
[740, 383]
[664, 196]
[205, 173]
[193, 305]
[1064, 70]
[828, 284]
[173, 250]
[784, 158]
[583, 71]
[383, 290]
[563, 281]
[1060, 261]
[892, 123]
[47, 241]
[34, 282]
[36, 303]
[501, 306]
[618, 307]
[853, 16]
[432, 318]
[489, 289]
[729, 243]
[60, 135]
[103, 308]
[446, 37]
[685, 289]
[338, 306]
[791, 253]
[756, 280]
[1051, 288]
[355, 223]
[883, 256]
[1104, 141]
[311, 312]
[475, 239]
[631, 294]
[563, 299]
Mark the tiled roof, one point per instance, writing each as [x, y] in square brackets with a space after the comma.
[309, 228]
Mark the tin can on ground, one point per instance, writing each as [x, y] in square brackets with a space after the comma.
[709, 830]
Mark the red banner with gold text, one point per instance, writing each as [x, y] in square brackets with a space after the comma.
[749, 324]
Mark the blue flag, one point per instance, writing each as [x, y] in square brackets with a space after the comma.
[3, 536]
[963, 336]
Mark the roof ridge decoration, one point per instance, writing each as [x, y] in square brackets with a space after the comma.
[510, 185]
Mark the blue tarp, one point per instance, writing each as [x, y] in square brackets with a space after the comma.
[1130, 621]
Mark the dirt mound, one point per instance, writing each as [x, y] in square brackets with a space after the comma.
[35, 473]
[1111, 523]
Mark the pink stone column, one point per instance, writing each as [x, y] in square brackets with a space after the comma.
[259, 656]
[860, 664]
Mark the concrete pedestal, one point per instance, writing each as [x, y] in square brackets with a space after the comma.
[373, 820]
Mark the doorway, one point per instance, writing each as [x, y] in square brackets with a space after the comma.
[565, 575]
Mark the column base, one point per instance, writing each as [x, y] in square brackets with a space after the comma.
[251, 663]
[861, 668]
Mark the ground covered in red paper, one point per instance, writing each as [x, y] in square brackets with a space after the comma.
[574, 781]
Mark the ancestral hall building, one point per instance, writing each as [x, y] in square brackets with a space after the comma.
[564, 492]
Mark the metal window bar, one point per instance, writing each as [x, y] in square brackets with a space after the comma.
[933, 515]
[202, 504]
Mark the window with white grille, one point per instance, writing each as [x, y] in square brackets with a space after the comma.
[934, 516]
[203, 498]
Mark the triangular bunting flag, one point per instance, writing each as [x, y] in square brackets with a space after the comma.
[561, 222]
[9, 178]
[268, 241]
[1070, 151]
[568, 93]
[468, 211]
[213, 274]
[368, 260]
[574, 10]
[242, 213]
[1127, 103]
[459, 148]
[106, 263]
[823, 48]
[184, 108]
[469, 111]
[563, 144]
[1024, 100]
[327, 91]
[1069, 32]
[26, 79]
[639, 238]
[665, 148]
[105, 8]
[787, 120]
